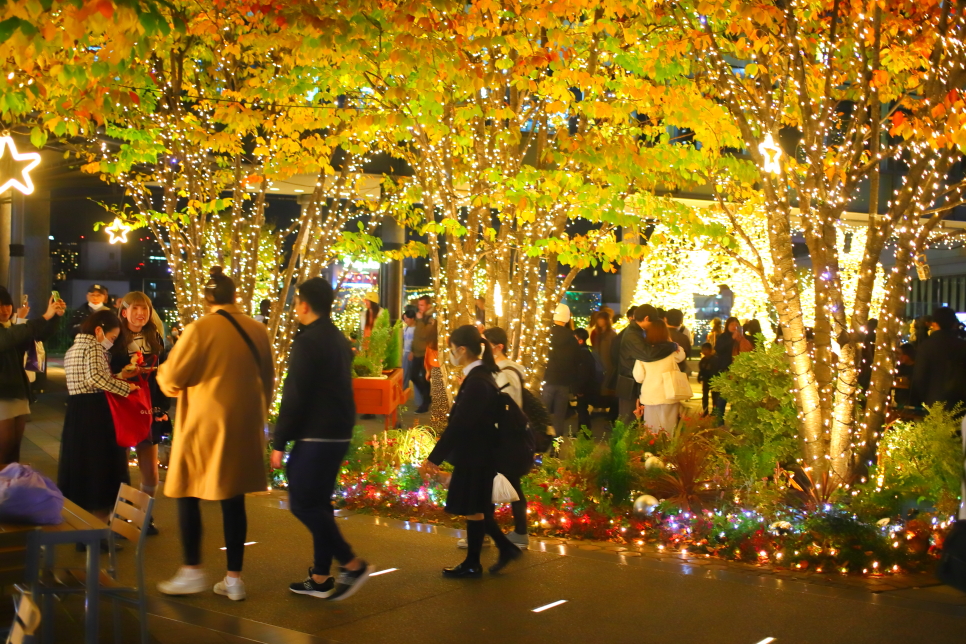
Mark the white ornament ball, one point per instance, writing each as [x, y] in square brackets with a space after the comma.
[645, 504]
[653, 462]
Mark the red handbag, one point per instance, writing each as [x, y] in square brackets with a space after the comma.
[132, 414]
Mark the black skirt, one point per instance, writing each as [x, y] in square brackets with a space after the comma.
[92, 465]
[470, 490]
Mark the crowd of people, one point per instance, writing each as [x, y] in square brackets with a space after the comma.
[221, 373]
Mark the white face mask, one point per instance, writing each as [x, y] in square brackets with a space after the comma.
[107, 343]
[453, 358]
[96, 307]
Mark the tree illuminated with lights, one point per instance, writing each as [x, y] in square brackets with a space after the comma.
[847, 88]
[527, 126]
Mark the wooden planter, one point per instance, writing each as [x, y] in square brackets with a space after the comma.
[381, 395]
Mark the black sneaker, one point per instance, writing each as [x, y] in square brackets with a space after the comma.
[350, 581]
[309, 587]
[152, 530]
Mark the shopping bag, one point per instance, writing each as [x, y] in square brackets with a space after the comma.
[676, 385]
[132, 414]
[503, 492]
[27, 496]
[36, 357]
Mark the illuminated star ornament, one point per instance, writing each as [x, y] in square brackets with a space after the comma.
[8, 150]
[118, 231]
[772, 153]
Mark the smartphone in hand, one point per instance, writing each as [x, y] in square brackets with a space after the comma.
[53, 294]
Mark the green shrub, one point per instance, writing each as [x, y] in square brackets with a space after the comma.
[375, 351]
[924, 458]
[762, 420]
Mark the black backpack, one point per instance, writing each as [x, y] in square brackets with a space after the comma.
[538, 418]
[515, 448]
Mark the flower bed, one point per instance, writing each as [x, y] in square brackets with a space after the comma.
[588, 489]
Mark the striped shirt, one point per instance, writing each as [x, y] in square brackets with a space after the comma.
[87, 368]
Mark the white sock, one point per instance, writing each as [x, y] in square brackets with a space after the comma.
[232, 581]
[192, 572]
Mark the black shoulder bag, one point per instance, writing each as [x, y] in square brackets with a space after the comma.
[248, 340]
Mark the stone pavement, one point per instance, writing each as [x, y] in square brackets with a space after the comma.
[609, 593]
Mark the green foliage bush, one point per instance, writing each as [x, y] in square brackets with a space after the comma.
[923, 459]
[378, 350]
[762, 420]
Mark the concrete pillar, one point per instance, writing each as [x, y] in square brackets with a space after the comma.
[629, 275]
[16, 248]
[391, 274]
[6, 208]
[38, 275]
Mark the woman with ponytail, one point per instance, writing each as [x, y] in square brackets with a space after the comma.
[470, 443]
[222, 372]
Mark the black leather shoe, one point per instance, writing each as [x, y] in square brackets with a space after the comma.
[505, 558]
[463, 570]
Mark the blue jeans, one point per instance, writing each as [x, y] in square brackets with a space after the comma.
[556, 398]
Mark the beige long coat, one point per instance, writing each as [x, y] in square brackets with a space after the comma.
[218, 449]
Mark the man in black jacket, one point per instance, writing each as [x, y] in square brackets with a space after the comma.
[318, 412]
[96, 301]
[633, 347]
[561, 368]
[939, 374]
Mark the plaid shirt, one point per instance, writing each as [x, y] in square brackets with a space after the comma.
[87, 369]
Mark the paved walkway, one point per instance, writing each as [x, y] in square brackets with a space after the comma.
[590, 592]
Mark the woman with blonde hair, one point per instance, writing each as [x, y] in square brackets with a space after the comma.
[141, 344]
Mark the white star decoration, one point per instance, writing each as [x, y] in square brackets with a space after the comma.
[772, 153]
[33, 160]
[118, 231]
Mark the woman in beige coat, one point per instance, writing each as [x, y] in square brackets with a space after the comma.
[223, 377]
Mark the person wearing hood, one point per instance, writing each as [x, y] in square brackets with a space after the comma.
[96, 301]
[561, 370]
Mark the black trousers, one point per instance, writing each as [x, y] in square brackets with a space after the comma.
[705, 395]
[312, 470]
[417, 373]
[235, 524]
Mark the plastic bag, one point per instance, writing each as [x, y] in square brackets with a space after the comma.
[27, 496]
[503, 492]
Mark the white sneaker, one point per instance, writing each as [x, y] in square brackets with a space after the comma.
[463, 545]
[234, 592]
[521, 541]
[187, 581]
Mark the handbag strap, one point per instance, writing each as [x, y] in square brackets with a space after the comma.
[245, 337]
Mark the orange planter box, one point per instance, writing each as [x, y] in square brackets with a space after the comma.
[381, 395]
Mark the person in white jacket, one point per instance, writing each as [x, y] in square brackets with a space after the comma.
[660, 413]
